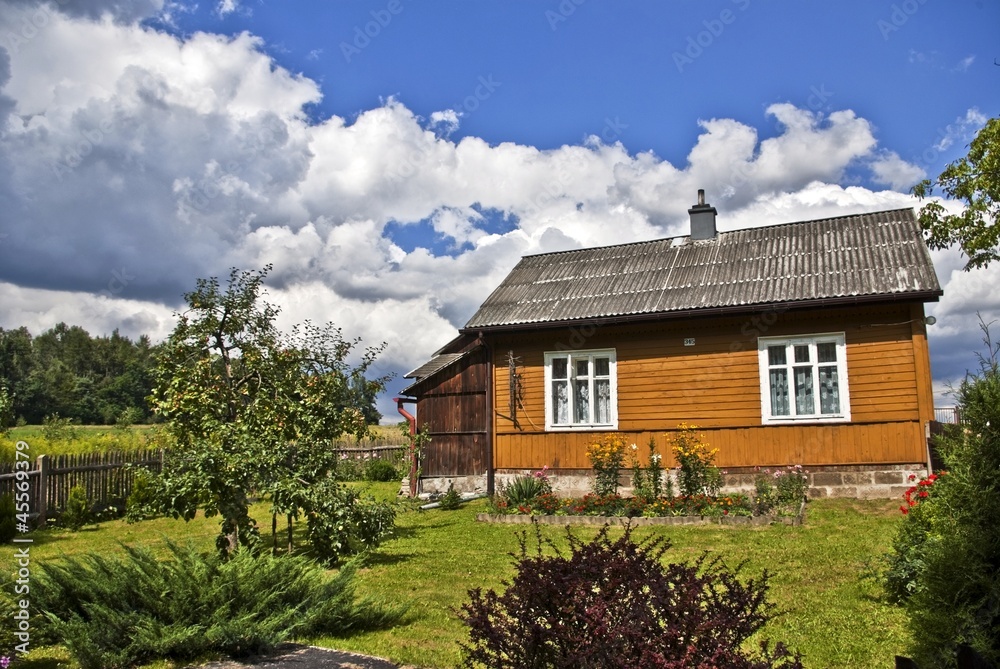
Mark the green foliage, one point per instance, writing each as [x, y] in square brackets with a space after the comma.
[781, 491]
[144, 502]
[946, 556]
[975, 180]
[114, 612]
[252, 409]
[615, 604]
[524, 488]
[341, 520]
[380, 470]
[6, 411]
[451, 500]
[8, 529]
[647, 482]
[77, 512]
[57, 428]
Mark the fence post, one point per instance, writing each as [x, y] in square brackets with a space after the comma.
[43, 488]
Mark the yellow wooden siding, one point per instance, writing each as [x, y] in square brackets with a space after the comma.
[808, 445]
[716, 384]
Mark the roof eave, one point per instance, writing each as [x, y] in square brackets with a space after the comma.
[916, 296]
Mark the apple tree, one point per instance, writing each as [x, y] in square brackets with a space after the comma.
[252, 409]
[974, 179]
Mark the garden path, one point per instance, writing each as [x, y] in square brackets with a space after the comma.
[293, 656]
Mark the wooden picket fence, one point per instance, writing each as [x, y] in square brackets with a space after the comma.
[107, 478]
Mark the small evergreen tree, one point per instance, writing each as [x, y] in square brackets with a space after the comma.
[951, 549]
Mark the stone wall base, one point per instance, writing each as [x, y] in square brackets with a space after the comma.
[852, 481]
[436, 485]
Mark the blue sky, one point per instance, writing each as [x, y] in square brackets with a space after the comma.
[395, 158]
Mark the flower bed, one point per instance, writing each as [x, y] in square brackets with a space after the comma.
[636, 521]
[593, 509]
[777, 495]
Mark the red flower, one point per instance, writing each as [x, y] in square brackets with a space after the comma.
[904, 510]
[923, 493]
[912, 477]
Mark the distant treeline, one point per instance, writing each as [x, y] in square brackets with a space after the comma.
[106, 380]
[66, 372]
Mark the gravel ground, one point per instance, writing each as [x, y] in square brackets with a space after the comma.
[307, 657]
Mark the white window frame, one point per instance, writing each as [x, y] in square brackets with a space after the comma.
[571, 358]
[811, 340]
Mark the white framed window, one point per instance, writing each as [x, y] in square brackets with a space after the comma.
[804, 379]
[581, 390]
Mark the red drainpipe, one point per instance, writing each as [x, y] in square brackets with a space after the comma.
[400, 401]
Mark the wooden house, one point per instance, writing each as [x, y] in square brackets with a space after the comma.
[799, 343]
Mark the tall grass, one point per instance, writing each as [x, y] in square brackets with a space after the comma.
[82, 439]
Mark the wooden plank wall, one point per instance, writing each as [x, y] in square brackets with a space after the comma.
[715, 384]
[808, 445]
[454, 410]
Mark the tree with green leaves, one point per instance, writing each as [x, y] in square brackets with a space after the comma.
[253, 410]
[974, 179]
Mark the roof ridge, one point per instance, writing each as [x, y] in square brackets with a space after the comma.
[720, 233]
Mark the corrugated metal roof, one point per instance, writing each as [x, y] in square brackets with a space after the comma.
[859, 256]
[439, 362]
[432, 366]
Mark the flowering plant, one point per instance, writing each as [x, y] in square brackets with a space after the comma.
[698, 473]
[647, 483]
[919, 492]
[606, 457]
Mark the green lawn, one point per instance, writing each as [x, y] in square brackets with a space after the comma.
[830, 614]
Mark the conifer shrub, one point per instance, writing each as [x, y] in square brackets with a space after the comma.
[451, 500]
[77, 512]
[613, 604]
[945, 561]
[381, 470]
[119, 612]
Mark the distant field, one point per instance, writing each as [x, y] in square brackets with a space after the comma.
[79, 439]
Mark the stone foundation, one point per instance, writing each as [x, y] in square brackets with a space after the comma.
[438, 485]
[852, 481]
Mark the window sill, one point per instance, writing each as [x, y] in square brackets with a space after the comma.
[806, 420]
[610, 427]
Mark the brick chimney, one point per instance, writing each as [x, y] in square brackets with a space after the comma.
[702, 218]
